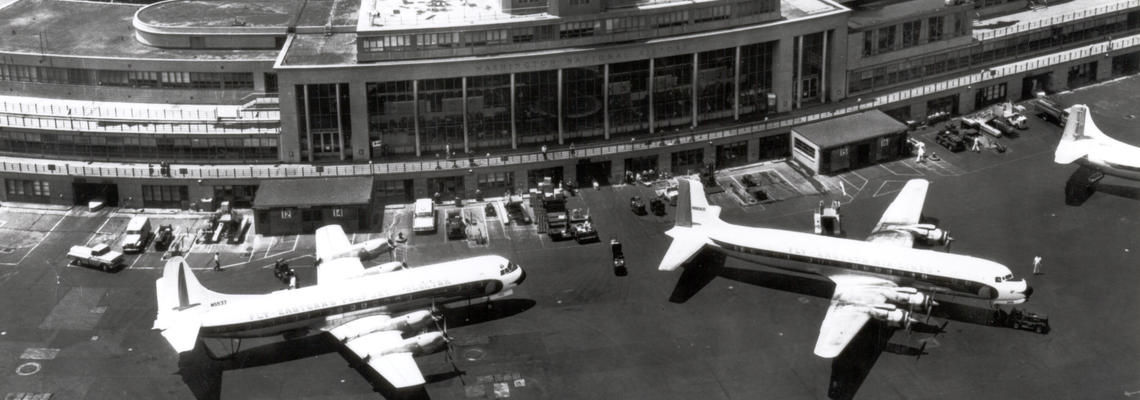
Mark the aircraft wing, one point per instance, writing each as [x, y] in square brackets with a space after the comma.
[848, 312]
[397, 367]
[905, 210]
[339, 269]
[331, 242]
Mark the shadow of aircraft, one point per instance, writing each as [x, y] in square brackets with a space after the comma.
[202, 370]
[851, 367]
[696, 274]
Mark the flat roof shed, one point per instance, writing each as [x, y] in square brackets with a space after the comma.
[289, 206]
[848, 142]
[278, 193]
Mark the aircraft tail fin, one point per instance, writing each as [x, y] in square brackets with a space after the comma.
[1079, 132]
[181, 300]
[693, 214]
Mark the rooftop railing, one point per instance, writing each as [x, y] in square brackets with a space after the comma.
[1059, 19]
[181, 171]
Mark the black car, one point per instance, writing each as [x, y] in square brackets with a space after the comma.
[1023, 320]
[164, 237]
[636, 205]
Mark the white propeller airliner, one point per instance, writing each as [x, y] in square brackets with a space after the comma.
[872, 278]
[377, 316]
[1084, 143]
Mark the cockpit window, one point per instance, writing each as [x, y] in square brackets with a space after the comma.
[1008, 277]
[508, 268]
[997, 279]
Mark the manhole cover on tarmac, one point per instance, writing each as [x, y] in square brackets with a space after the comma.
[473, 354]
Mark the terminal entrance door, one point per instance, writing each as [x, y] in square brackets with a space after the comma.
[86, 192]
[1035, 83]
[588, 171]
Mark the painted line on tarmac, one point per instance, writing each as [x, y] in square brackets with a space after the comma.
[50, 231]
[270, 247]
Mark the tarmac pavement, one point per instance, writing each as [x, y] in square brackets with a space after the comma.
[574, 330]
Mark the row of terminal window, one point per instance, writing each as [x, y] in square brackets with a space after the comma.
[565, 30]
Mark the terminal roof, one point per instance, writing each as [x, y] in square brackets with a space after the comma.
[94, 29]
[275, 193]
[849, 129]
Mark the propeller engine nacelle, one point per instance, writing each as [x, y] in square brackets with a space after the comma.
[371, 249]
[911, 298]
[893, 316]
[932, 234]
[427, 343]
[385, 268]
[410, 322]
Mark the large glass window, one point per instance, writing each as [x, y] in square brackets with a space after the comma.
[391, 113]
[756, 70]
[164, 196]
[688, 161]
[489, 111]
[629, 97]
[582, 107]
[716, 71]
[328, 117]
[672, 91]
[441, 115]
[536, 106]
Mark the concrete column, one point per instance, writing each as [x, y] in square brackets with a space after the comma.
[1103, 69]
[339, 124]
[358, 108]
[466, 141]
[736, 87]
[652, 116]
[783, 75]
[606, 100]
[288, 142]
[416, 113]
[799, 74]
[308, 123]
[823, 70]
[693, 88]
[560, 93]
[514, 125]
[753, 150]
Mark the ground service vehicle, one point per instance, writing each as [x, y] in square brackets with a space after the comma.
[138, 234]
[456, 229]
[164, 237]
[1023, 320]
[636, 205]
[1050, 110]
[97, 256]
[581, 227]
[424, 218]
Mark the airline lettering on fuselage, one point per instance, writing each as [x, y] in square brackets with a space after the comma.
[698, 208]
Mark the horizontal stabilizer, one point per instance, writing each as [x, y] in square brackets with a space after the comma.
[687, 242]
[182, 335]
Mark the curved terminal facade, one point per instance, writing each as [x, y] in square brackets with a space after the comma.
[165, 104]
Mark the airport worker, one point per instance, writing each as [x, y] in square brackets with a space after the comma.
[1037, 265]
[920, 150]
[977, 146]
[217, 261]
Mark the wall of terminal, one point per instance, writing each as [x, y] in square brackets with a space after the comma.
[127, 80]
[918, 35]
[139, 147]
[415, 108]
[982, 54]
[618, 27]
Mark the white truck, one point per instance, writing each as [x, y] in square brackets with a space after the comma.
[97, 256]
[424, 218]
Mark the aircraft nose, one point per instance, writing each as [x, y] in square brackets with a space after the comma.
[522, 276]
[1028, 291]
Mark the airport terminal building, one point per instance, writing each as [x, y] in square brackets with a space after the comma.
[178, 102]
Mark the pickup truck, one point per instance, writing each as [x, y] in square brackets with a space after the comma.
[581, 227]
[97, 256]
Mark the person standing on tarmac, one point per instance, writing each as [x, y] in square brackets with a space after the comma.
[217, 262]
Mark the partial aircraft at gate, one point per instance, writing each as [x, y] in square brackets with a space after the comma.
[383, 317]
[882, 278]
[1082, 142]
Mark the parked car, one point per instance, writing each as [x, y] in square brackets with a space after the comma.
[137, 235]
[97, 256]
[164, 237]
